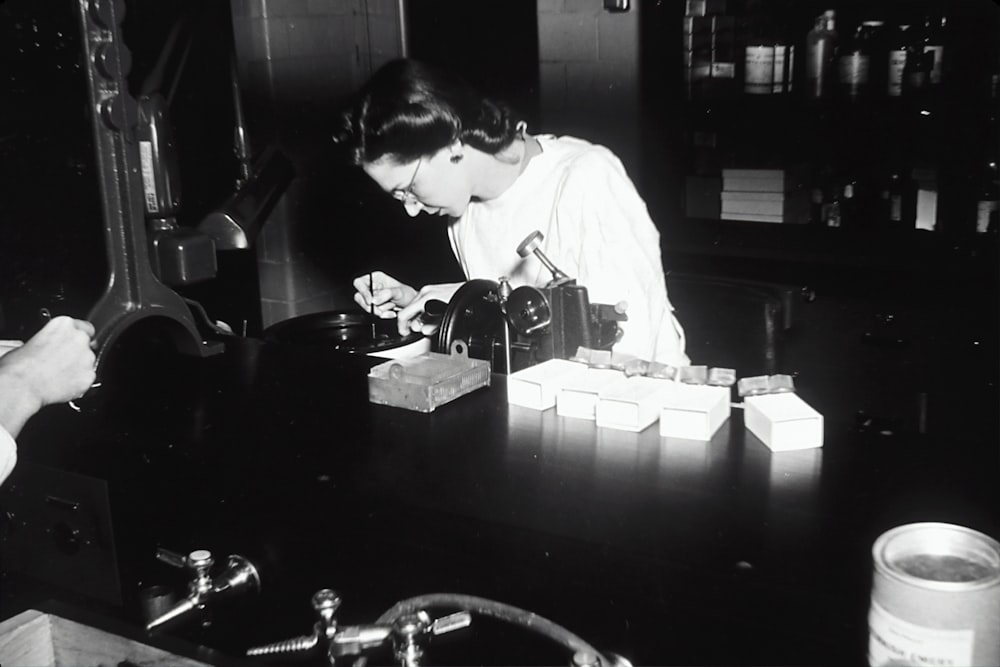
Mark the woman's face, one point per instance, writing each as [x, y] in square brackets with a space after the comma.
[433, 184]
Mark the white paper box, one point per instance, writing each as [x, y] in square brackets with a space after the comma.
[578, 395]
[632, 404]
[783, 421]
[536, 387]
[694, 411]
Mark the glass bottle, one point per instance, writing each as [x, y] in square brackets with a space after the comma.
[899, 199]
[875, 32]
[935, 28]
[988, 199]
[898, 50]
[916, 70]
[855, 64]
[758, 70]
[821, 50]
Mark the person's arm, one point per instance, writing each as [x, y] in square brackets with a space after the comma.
[617, 255]
[54, 366]
[8, 454]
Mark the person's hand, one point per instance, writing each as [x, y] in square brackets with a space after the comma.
[53, 366]
[409, 318]
[382, 294]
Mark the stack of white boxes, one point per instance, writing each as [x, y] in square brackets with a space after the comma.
[765, 195]
[612, 399]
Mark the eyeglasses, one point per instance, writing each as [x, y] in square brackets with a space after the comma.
[406, 194]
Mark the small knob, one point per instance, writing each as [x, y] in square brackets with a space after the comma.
[325, 599]
[200, 559]
[530, 242]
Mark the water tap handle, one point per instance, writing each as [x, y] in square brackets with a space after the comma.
[326, 602]
[238, 575]
[531, 244]
[200, 562]
[409, 631]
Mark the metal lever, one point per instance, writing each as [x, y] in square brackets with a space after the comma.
[238, 575]
[410, 630]
[531, 244]
[406, 633]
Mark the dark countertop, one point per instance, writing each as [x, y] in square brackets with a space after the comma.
[666, 551]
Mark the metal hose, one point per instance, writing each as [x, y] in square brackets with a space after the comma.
[494, 609]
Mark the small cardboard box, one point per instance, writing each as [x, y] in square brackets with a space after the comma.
[694, 411]
[578, 395]
[632, 404]
[536, 387]
[783, 421]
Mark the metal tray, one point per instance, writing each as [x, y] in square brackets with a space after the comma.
[424, 382]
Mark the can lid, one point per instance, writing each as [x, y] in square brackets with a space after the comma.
[938, 555]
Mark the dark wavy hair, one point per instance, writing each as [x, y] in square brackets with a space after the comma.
[409, 110]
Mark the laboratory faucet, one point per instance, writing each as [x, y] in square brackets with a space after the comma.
[238, 575]
[408, 633]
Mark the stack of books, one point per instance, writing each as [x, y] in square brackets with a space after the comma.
[765, 195]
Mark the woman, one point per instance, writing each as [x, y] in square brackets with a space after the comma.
[430, 141]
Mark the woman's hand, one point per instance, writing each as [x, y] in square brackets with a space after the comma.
[409, 318]
[389, 298]
[382, 294]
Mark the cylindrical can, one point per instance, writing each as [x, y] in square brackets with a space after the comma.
[935, 597]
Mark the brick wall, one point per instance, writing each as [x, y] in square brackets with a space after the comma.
[299, 61]
[589, 73]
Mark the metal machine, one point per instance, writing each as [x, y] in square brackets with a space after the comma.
[518, 327]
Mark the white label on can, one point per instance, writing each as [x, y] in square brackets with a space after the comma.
[759, 76]
[893, 641]
[148, 177]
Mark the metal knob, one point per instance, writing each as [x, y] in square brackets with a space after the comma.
[531, 244]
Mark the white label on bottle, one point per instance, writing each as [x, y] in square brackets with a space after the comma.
[936, 67]
[148, 178]
[985, 209]
[759, 75]
[893, 641]
[897, 61]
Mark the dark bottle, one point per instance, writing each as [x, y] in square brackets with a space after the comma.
[899, 200]
[988, 199]
[878, 57]
[988, 179]
[821, 56]
[935, 28]
[899, 46]
[849, 208]
[854, 71]
[917, 69]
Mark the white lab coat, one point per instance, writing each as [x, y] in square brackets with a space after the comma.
[597, 229]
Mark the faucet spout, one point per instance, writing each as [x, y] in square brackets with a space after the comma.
[175, 615]
[239, 575]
